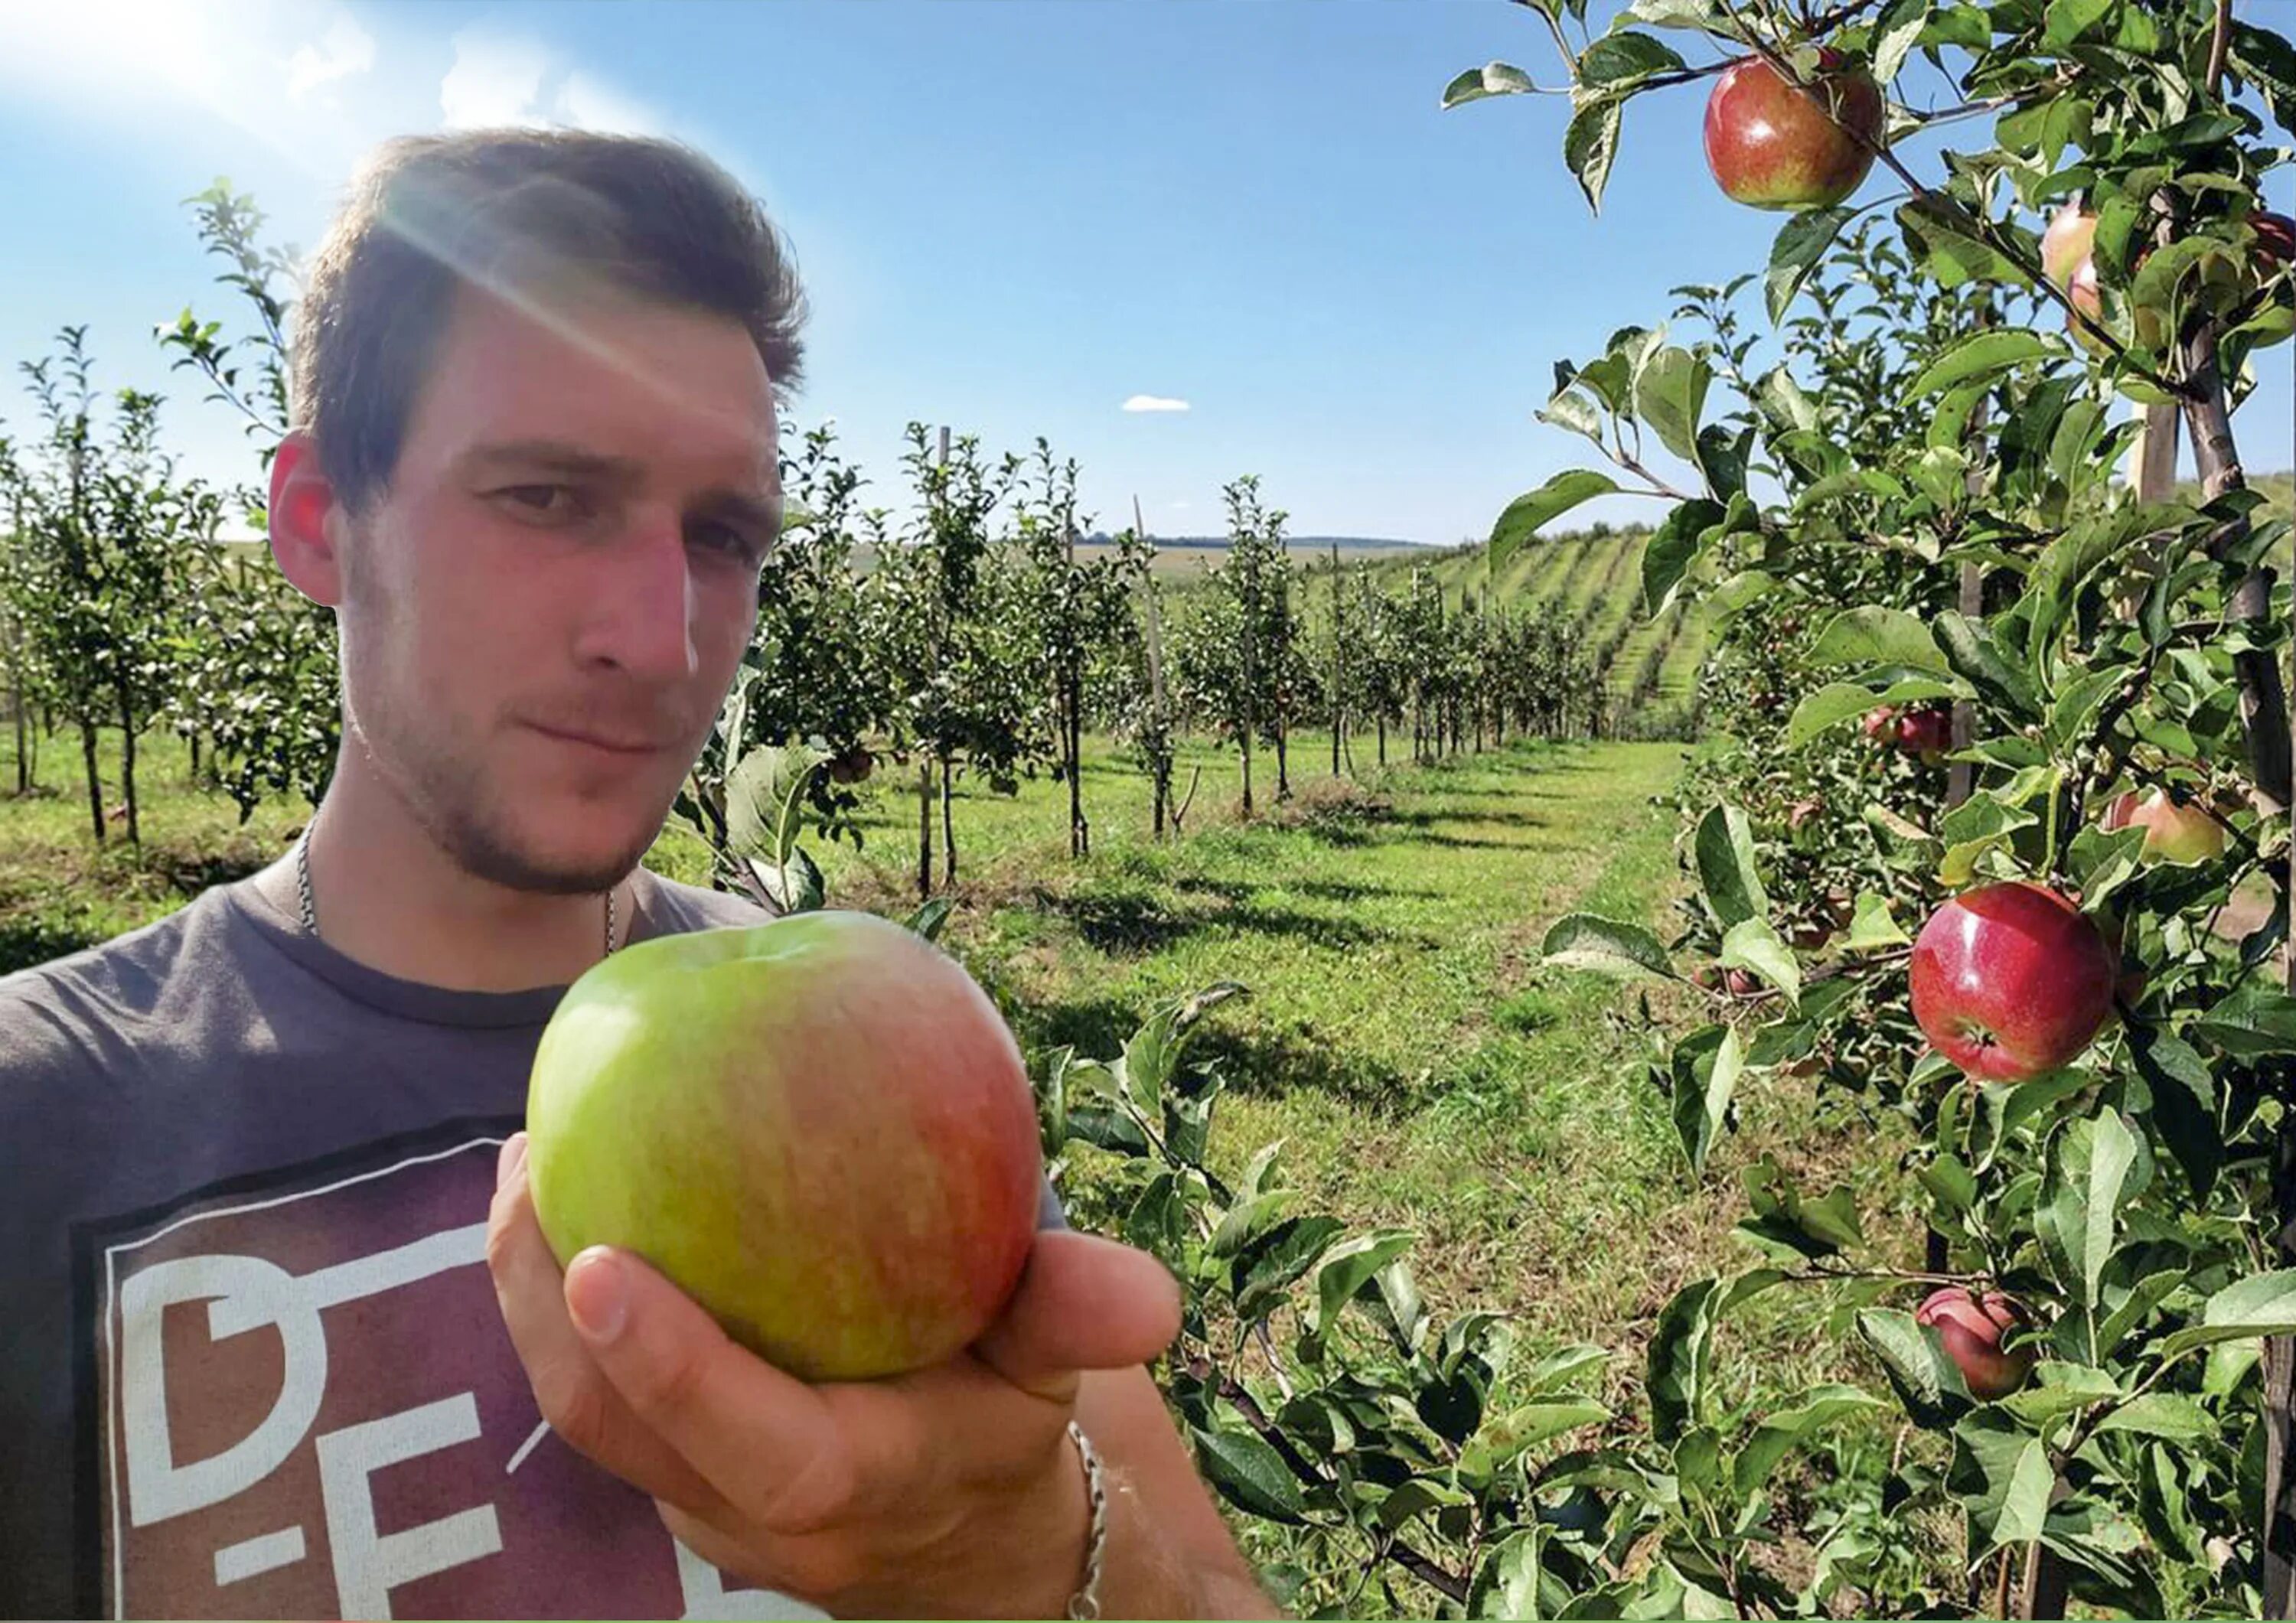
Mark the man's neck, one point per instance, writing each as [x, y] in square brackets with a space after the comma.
[387, 896]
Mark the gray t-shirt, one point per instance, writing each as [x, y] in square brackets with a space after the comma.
[252, 1363]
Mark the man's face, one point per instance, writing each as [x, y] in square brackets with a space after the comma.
[567, 550]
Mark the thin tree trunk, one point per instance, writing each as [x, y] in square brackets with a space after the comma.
[127, 773]
[949, 819]
[924, 826]
[95, 779]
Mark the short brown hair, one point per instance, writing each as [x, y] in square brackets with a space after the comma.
[429, 214]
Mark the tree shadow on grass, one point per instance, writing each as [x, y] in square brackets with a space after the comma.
[1261, 1063]
[1139, 921]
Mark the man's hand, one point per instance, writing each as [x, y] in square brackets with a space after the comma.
[950, 1492]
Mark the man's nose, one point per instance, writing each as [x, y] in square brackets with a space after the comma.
[642, 617]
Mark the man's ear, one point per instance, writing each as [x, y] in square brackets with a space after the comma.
[306, 527]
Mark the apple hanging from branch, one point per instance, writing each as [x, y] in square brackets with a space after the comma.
[1972, 1327]
[2011, 981]
[819, 1128]
[1774, 144]
[2176, 830]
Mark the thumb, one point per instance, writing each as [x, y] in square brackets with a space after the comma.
[1083, 1303]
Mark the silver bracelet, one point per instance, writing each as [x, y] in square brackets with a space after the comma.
[1085, 1603]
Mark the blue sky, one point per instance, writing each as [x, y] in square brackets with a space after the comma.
[1012, 216]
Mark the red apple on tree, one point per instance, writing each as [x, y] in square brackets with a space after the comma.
[1928, 734]
[1774, 144]
[2010, 980]
[2176, 830]
[1880, 723]
[1973, 1328]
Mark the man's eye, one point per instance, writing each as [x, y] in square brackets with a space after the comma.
[725, 539]
[539, 501]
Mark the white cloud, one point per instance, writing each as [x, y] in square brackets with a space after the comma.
[586, 103]
[347, 49]
[1154, 403]
[499, 78]
[495, 80]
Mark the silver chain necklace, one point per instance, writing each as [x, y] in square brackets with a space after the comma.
[311, 913]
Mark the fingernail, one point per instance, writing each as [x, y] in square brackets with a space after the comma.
[513, 1157]
[595, 1294]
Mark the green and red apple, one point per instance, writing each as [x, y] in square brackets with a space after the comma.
[2176, 830]
[1775, 145]
[820, 1128]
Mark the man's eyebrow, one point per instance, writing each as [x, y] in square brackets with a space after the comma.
[557, 455]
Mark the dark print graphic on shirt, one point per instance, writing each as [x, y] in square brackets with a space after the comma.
[299, 1400]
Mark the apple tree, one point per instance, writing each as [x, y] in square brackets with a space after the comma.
[1988, 692]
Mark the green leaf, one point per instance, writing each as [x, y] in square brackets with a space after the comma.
[1673, 546]
[1490, 79]
[2162, 1415]
[929, 919]
[2262, 1305]
[1558, 1369]
[1940, 240]
[2076, 705]
[1896, 34]
[1754, 944]
[1725, 849]
[1981, 355]
[2078, 1218]
[1699, 14]
[1508, 1583]
[2001, 1474]
[1627, 57]
[1874, 636]
[1670, 392]
[1784, 403]
[2069, 19]
[1680, 1350]
[1778, 1434]
[1974, 653]
[1569, 409]
[1348, 1268]
[1705, 1076]
[1872, 928]
[765, 800]
[2138, 1307]
[1277, 1258]
[1926, 1380]
[1504, 1438]
[1249, 1474]
[1246, 1220]
[1800, 246]
[1580, 940]
[1527, 515]
[1591, 145]
[1812, 1228]
[2184, 1102]
[2250, 1024]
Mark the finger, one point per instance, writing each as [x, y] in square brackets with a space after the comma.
[574, 1396]
[1083, 1303]
[764, 1439]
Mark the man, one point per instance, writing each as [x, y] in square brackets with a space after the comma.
[283, 1337]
